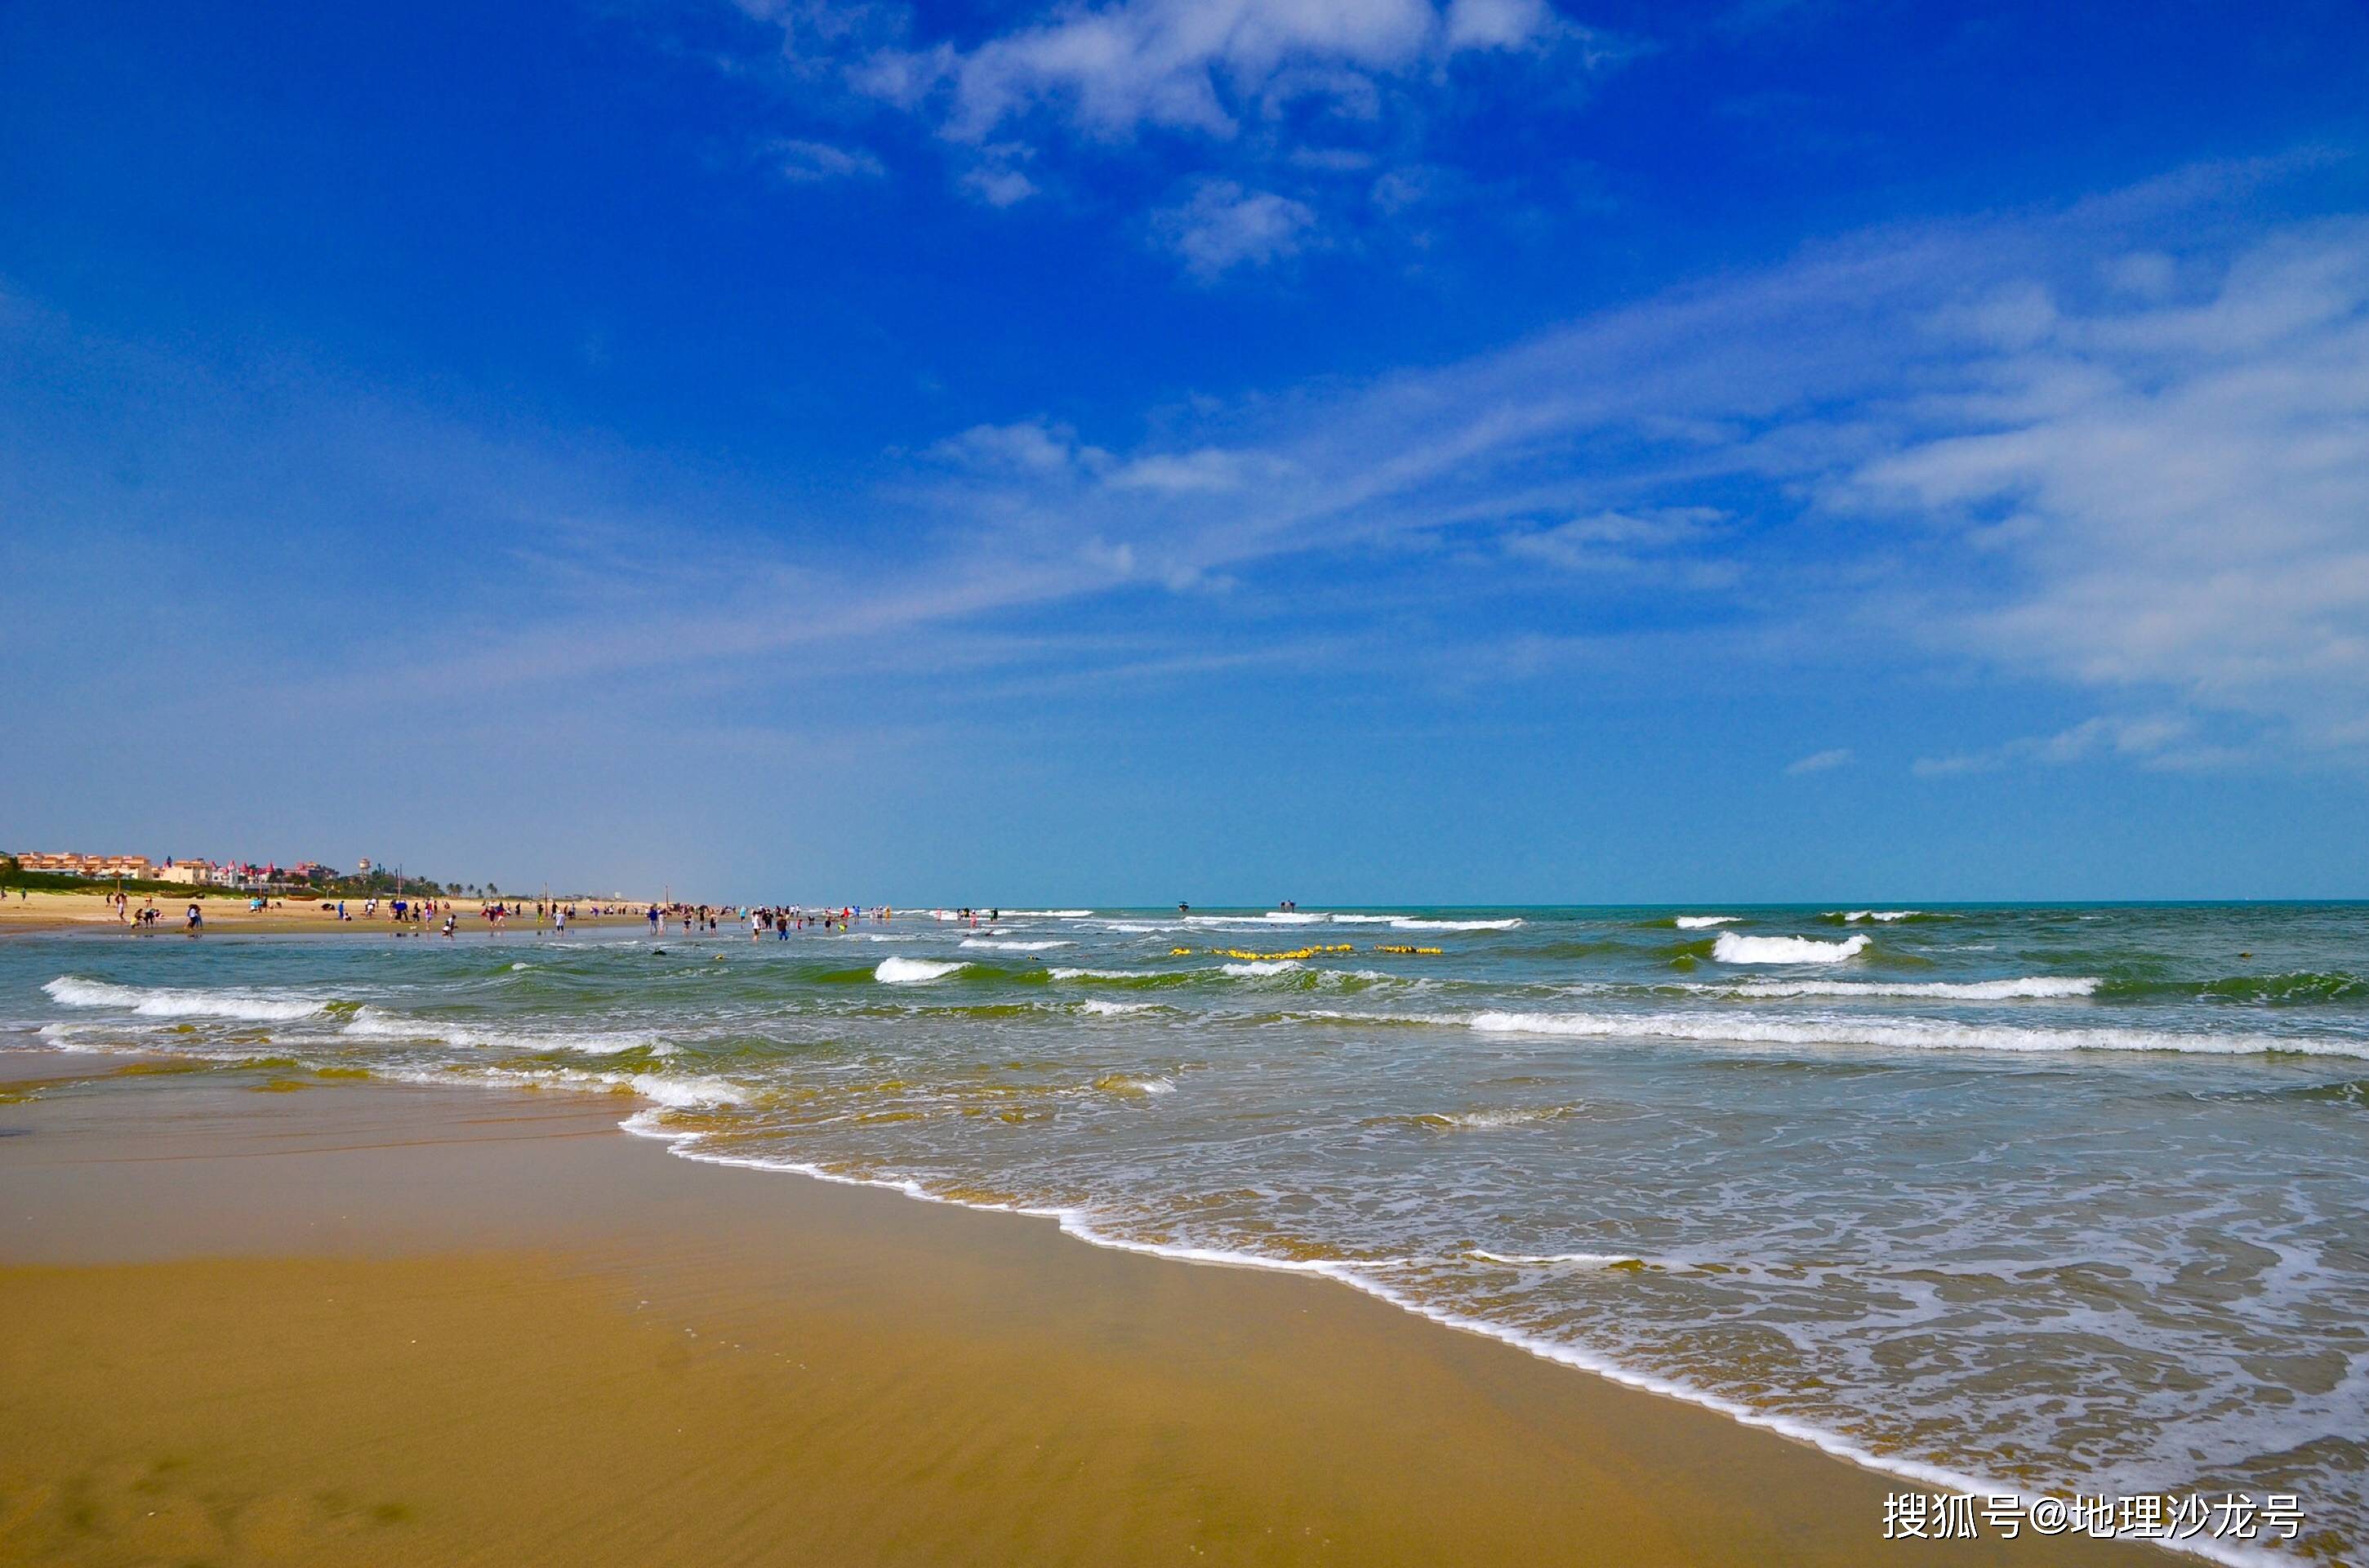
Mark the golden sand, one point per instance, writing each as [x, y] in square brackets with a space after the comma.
[371, 1324]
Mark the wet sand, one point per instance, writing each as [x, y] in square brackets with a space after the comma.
[365, 1324]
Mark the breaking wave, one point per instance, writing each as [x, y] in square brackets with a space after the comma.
[2036, 987]
[908, 971]
[162, 1001]
[1908, 1034]
[1733, 949]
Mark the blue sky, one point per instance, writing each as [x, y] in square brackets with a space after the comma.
[1364, 453]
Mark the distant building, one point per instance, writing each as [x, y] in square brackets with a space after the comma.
[365, 864]
[107, 866]
[196, 872]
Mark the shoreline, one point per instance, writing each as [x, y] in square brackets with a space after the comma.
[185, 1124]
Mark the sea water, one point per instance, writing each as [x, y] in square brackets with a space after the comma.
[2047, 1199]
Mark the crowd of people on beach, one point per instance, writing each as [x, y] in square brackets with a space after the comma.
[416, 916]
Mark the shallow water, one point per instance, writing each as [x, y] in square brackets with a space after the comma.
[2055, 1198]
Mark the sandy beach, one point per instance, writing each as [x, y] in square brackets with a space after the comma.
[49, 909]
[372, 1323]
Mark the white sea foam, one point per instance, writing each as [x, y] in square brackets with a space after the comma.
[165, 1001]
[1095, 1007]
[1048, 914]
[1733, 949]
[681, 1093]
[1368, 920]
[2035, 987]
[1263, 967]
[1103, 974]
[1134, 1083]
[1704, 922]
[1594, 1260]
[1884, 915]
[1501, 1116]
[1408, 923]
[1361, 1274]
[1911, 1034]
[661, 1090]
[375, 1023]
[1293, 917]
[1010, 946]
[908, 971]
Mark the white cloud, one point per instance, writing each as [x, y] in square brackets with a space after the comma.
[2183, 488]
[1220, 226]
[806, 162]
[1498, 24]
[1175, 63]
[1029, 449]
[1615, 541]
[999, 186]
[1253, 88]
[1207, 470]
[1820, 761]
[2157, 740]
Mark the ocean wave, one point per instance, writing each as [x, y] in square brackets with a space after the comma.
[681, 1093]
[908, 971]
[1010, 946]
[1733, 949]
[163, 1001]
[1263, 967]
[2301, 988]
[663, 1091]
[1095, 1007]
[1048, 914]
[1481, 1120]
[1408, 923]
[1883, 917]
[1703, 923]
[375, 1023]
[2035, 988]
[1588, 1260]
[1133, 1084]
[1910, 1033]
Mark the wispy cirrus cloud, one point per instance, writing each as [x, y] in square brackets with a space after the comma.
[2041, 445]
[805, 161]
[2019, 446]
[2162, 740]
